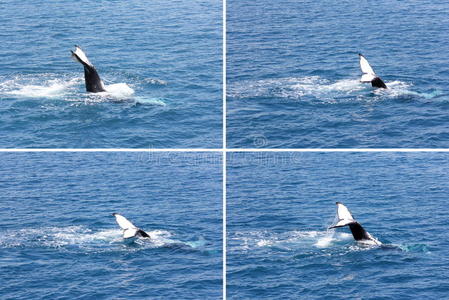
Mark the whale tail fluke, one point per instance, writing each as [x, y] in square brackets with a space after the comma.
[377, 82]
[142, 233]
[79, 56]
[345, 218]
[369, 75]
[129, 230]
[341, 223]
[93, 81]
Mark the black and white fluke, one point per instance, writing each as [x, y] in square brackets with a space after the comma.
[91, 77]
[369, 75]
[345, 218]
[129, 230]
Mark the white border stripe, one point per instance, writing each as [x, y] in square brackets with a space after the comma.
[339, 150]
[224, 224]
[226, 150]
[112, 150]
[224, 75]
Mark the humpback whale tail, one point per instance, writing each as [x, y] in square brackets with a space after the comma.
[129, 230]
[369, 75]
[91, 77]
[345, 218]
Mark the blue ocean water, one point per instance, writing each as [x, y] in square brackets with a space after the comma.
[161, 62]
[279, 206]
[58, 239]
[293, 74]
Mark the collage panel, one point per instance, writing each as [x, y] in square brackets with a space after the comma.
[111, 225]
[115, 122]
[333, 74]
[337, 225]
[143, 75]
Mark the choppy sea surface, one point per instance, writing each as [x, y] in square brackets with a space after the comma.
[58, 239]
[161, 63]
[293, 74]
[281, 204]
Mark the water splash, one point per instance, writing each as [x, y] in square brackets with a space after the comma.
[38, 86]
[315, 87]
[56, 237]
[150, 101]
[290, 240]
[87, 239]
[398, 89]
[414, 248]
[119, 90]
[69, 88]
[155, 81]
[326, 240]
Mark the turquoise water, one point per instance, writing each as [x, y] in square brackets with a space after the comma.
[281, 204]
[293, 74]
[58, 239]
[161, 61]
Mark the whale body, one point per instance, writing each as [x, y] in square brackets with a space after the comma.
[91, 77]
[369, 75]
[345, 218]
[129, 230]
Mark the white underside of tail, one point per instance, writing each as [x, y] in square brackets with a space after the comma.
[343, 215]
[345, 218]
[343, 222]
[128, 233]
[80, 53]
[129, 230]
[368, 72]
[367, 77]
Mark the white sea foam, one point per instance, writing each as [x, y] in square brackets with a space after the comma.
[119, 90]
[155, 81]
[68, 88]
[150, 101]
[289, 240]
[296, 88]
[324, 241]
[38, 88]
[84, 238]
